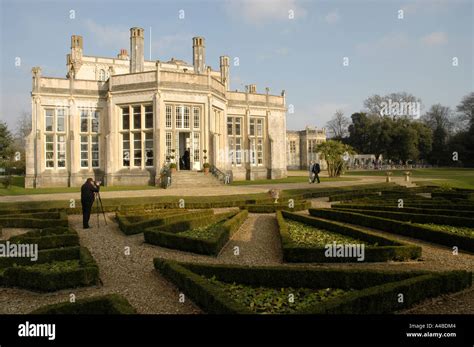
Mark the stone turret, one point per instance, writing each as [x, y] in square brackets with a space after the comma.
[199, 55]
[224, 66]
[137, 50]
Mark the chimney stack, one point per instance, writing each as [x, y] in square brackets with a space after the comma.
[252, 88]
[123, 54]
[199, 54]
[224, 63]
[137, 50]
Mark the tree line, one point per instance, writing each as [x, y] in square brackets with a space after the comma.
[394, 127]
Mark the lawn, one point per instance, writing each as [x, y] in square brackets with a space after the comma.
[18, 188]
[453, 177]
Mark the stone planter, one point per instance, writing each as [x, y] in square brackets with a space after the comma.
[206, 171]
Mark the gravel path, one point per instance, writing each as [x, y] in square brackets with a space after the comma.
[257, 240]
[6, 233]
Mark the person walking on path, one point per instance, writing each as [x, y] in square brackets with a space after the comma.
[316, 169]
[310, 178]
[88, 190]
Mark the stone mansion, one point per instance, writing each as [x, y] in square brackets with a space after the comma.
[121, 119]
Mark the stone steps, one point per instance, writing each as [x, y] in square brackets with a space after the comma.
[193, 179]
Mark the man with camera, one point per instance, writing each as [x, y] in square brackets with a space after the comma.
[88, 190]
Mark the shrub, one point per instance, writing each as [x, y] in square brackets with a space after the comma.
[211, 246]
[136, 228]
[271, 208]
[56, 276]
[416, 210]
[402, 215]
[376, 291]
[34, 220]
[392, 226]
[387, 249]
[105, 304]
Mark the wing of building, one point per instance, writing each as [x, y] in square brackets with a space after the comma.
[302, 148]
[121, 119]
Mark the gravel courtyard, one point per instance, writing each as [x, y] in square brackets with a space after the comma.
[126, 267]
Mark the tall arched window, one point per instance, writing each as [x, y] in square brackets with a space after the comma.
[102, 75]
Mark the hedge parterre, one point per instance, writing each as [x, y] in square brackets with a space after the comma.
[181, 235]
[105, 304]
[366, 291]
[343, 243]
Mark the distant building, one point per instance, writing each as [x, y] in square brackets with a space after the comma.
[301, 147]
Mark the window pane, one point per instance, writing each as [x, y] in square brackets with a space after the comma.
[137, 117]
[238, 151]
[186, 117]
[126, 149]
[252, 127]
[149, 149]
[84, 121]
[149, 117]
[229, 126]
[237, 126]
[179, 111]
[49, 115]
[60, 125]
[125, 118]
[197, 118]
[259, 128]
[95, 122]
[137, 149]
[168, 116]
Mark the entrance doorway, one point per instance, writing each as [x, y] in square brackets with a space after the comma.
[184, 150]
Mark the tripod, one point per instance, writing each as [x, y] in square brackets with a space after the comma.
[99, 201]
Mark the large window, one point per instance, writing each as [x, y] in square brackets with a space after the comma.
[90, 126]
[197, 117]
[169, 116]
[292, 146]
[137, 135]
[55, 138]
[256, 141]
[234, 135]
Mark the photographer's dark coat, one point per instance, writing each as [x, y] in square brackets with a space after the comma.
[88, 191]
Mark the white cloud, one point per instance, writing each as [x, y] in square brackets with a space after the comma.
[332, 17]
[108, 36]
[258, 11]
[435, 39]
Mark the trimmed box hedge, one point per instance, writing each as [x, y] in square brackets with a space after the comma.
[405, 216]
[48, 238]
[396, 227]
[376, 292]
[388, 249]
[34, 220]
[272, 208]
[105, 304]
[29, 277]
[170, 237]
[416, 210]
[136, 228]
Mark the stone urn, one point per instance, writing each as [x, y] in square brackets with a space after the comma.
[275, 194]
[388, 177]
[407, 176]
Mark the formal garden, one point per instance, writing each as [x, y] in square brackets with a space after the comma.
[374, 248]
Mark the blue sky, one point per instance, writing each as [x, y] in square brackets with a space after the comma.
[302, 55]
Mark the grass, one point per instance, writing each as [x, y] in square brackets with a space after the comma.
[264, 300]
[18, 188]
[203, 233]
[452, 177]
[303, 235]
[291, 179]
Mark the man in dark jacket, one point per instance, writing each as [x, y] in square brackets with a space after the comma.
[316, 170]
[88, 191]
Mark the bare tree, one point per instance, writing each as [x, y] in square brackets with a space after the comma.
[373, 105]
[338, 125]
[23, 129]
